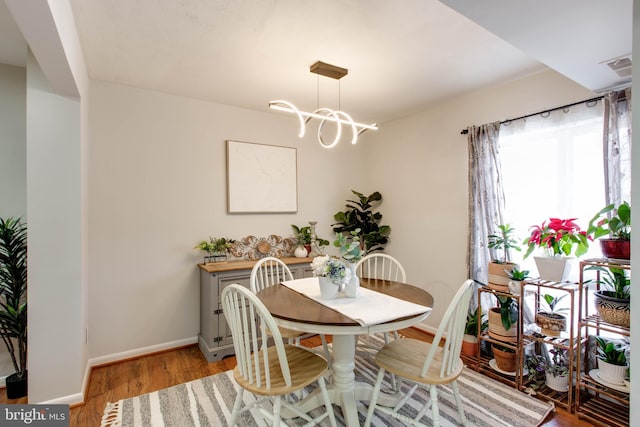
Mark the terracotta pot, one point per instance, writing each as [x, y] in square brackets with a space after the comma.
[616, 248]
[505, 360]
[551, 323]
[497, 331]
[498, 278]
[613, 310]
[470, 345]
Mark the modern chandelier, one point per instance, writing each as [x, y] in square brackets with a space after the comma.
[324, 114]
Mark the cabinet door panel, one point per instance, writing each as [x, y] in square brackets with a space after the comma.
[223, 330]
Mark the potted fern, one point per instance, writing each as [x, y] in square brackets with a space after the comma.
[13, 302]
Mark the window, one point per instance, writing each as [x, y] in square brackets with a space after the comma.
[552, 166]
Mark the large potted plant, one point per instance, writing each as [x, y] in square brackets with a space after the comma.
[360, 215]
[550, 318]
[613, 299]
[500, 243]
[559, 238]
[13, 301]
[614, 222]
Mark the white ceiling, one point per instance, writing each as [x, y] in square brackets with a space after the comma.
[402, 56]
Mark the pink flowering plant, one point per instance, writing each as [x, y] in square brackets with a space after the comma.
[558, 237]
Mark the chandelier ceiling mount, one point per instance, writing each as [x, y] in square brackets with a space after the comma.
[324, 114]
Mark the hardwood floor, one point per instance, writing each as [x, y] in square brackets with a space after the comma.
[110, 383]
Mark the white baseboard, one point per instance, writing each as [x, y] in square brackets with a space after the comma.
[116, 357]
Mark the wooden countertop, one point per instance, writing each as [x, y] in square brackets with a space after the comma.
[217, 267]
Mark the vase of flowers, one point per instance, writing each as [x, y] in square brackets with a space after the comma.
[559, 238]
[331, 273]
[351, 251]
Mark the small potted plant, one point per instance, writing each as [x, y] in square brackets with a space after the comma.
[216, 249]
[304, 238]
[475, 319]
[505, 358]
[550, 318]
[612, 361]
[559, 238]
[500, 243]
[503, 319]
[614, 222]
[536, 365]
[517, 276]
[351, 251]
[331, 274]
[557, 370]
[613, 300]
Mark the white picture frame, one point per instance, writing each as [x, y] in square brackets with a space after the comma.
[261, 178]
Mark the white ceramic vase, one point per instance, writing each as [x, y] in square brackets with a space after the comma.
[351, 287]
[300, 252]
[328, 290]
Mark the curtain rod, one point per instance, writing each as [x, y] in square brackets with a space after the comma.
[597, 98]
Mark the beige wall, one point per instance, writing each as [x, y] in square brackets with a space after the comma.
[157, 187]
[419, 163]
[13, 145]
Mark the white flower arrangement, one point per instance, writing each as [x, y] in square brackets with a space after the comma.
[333, 269]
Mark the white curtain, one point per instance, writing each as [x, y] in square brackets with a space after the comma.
[617, 146]
[486, 197]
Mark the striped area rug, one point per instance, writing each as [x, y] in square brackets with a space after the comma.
[208, 402]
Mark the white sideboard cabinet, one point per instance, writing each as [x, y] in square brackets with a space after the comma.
[214, 338]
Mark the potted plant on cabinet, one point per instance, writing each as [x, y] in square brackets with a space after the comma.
[13, 303]
[612, 361]
[503, 319]
[559, 238]
[500, 243]
[549, 317]
[360, 215]
[216, 248]
[614, 222]
[613, 300]
[475, 319]
[304, 239]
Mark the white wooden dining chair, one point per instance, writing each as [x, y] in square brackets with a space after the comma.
[384, 267]
[270, 372]
[270, 271]
[426, 364]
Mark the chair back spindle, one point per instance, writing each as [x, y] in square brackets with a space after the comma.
[251, 326]
[452, 324]
[267, 272]
[381, 266]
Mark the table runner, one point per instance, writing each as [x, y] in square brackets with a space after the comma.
[368, 308]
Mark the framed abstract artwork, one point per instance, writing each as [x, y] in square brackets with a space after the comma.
[261, 178]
